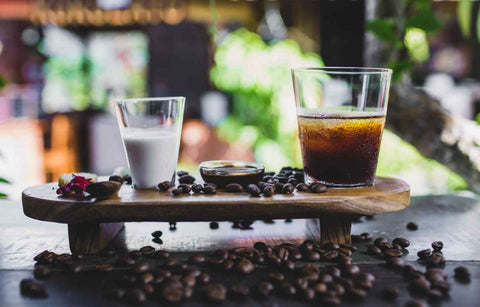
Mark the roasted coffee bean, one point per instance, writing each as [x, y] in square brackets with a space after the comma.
[302, 187]
[227, 265]
[385, 246]
[161, 254]
[41, 272]
[234, 187]
[197, 188]
[185, 188]
[103, 189]
[147, 250]
[317, 188]
[115, 178]
[366, 236]
[312, 256]
[196, 258]
[254, 190]
[397, 247]
[214, 225]
[308, 294]
[288, 265]
[189, 281]
[31, 288]
[435, 260]
[373, 250]
[462, 273]
[393, 253]
[266, 178]
[141, 267]
[244, 266]
[239, 291]
[157, 240]
[295, 255]
[276, 277]
[331, 246]
[345, 251]
[283, 253]
[116, 294]
[420, 285]
[424, 253]
[280, 178]
[320, 288]
[334, 271]
[287, 289]
[435, 274]
[209, 184]
[325, 278]
[337, 288]
[415, 303]
[437, 245]
[209, 190]
[278, 187]
[169, 263]
[442, 286]
[288, 188]
[165, 185]
[343, 260]
[186, 179]
[292, 181]
[412, 226]
[268, 191]
[177, 191]
[390, 293]
[395, 262]
[215, 293]
[263, 289]
[330, 255]
[380, 241]
[356, 294]
[330, 301]
[172, 293]
[310, 268]
[350, 270]
[404, 243]
[157, 234]
[181, 173]
[172, 225]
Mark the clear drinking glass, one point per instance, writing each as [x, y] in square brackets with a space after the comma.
[151, 131]
[341, 114]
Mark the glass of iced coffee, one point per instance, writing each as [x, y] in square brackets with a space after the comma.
[341, 114]
[151, 129]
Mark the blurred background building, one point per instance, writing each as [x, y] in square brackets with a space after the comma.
[64, 61]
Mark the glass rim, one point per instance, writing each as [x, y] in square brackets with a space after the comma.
[340, 70]
[147, 99]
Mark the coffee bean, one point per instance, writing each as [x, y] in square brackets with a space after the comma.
[317, 188]
[310, 268]
[302, 187]
[415, 303]
[181, 173]
[227, 265]
[320, 288]
[278, 187]
[288, 265]
[350, 270]
[337, 289]
[41, 272]
[234, 187]
[244, 266]
[196, 258]
[373, 250]
[295, 255]
[157, 234]
[177, 191]
[189, 281]
[115, 178]
[343, 260]
[197, 188]
[165, 185]
[420, 285]
[147, 250]
[462, 274]
[172, 293]
[334, 271]
[239, 291]
[215, 293]
[390, 293]
[293, 181]
[395, 262]
[161, 254]
[424, 253]
[330, 255]
[31, 288]
[263, 289]
[329, 301]
[345, 251]
[288, 188]
[404, 243]
[412, 226]
[116, 294]
[384, 246]
[380, 241]
[435, 260]
[141, 267]
[366, 236]
[186, 179]
[209, 190]
[254, 190]
[393, 253]
[356, 294]
[312, 256]
[442, 286]
[325, 278]
[268, 191]
[185, 188]
[287, 289]
[214, 225]
[437, 245]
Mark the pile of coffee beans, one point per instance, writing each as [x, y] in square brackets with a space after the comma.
[381, 246]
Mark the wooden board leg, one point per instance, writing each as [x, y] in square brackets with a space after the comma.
[91, 238]
[335, 229]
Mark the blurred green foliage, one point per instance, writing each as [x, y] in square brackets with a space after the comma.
[3, 180]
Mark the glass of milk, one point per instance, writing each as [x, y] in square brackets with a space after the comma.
[151, 129]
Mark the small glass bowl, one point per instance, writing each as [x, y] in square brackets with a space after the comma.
[223, 172]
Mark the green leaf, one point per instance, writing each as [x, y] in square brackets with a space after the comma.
[400, 67]
[3, 195]
[478, 26]
[383, 29]
[424, 19]
[3, 180]
[464, 16]
[2, 82]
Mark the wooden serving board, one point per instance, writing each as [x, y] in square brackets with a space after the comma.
[334, 208]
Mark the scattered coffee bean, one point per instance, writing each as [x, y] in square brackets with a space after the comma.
[380, 241]
[420, 285]
[412, 226]
[288, 189]
[462, 274]
[197, 188]
[209, 189]
[404, 243]
[330, 255]
[366, 236]
[317, 188]
[172, 293]
[263, 289]
[350, 270]
[181, 173]
[268, 191]
[157, 234]
[214, 225]
[31, 288]
[115, 178]
[185, 188]
[395, 262]
[186, 179]
[415, 303]
[234, 187]
[215, 293]
[393, 253]
[147, 250]
[141, 267]
[165, 185]
[373, 250]
[104, 267]
[302, 187]
[437, 245]
[356, 294]
[287, 289]
[244, 266]
[424, 253]
[41, 272]
[177, 191]
[254, 190]
[196, 258]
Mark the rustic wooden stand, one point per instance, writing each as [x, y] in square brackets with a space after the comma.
[93, 224]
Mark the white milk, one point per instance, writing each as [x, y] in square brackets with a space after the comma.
[152, 155]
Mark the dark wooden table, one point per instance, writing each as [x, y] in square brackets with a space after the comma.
[455, 220]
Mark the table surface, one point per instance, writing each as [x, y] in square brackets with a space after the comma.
[455, 220]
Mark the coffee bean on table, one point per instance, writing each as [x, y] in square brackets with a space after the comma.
[215, 293]
[238, 291]
[462, 274]
[393, 253]
[268, 191]
[366, 236]
[157, 234]
[209, 189]
[424, 253]
[234, 187]
[288, 189]
[380, 241]
[254, 190]
[41, 271]
[171, 293]
[31, 288]
[142, 267]
[317, 188]
[420, 285]
[197, 188]
[313, 256]
[185, 188]
[196, 258]
[181, 173]
[214, 225]
[373, 250]
[147, 250]
[404, 243]
[165, 185]
[437, 245]
[302, 187]
[412, 226]
[350, 270]
[244, 266]
[330, 255]
[395, 262]
[186, 179]
[390, 293]
[177, 191]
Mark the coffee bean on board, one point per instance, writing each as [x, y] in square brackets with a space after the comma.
[412, 226]
[404, 243]
[157, 234]
[197, 188]
[209, 189]
[244, 266]
[318, 188]
[268, 191]
[147, 250]
[186, 179]
[288, 188]
[424, 253]
[234, 187]
[254, 190]
[215, 293]
[185, 188]
[165, 185]
[302, 187]
[373, 250]
[177, 191]
[437, 245]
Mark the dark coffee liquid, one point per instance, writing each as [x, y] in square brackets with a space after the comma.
[341, 150]
[225, 174]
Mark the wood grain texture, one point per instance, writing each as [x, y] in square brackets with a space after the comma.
[91, 238]
[41, 202]
[335, 229]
